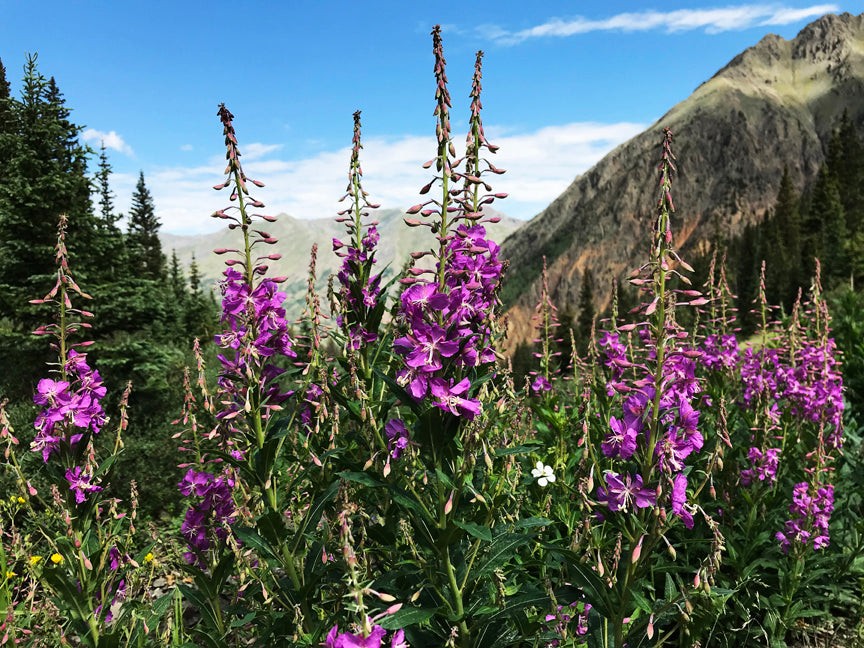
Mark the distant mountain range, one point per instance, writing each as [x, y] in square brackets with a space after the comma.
[296, 237]
[773, 106]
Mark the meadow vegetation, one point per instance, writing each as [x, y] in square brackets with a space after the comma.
[373, 474]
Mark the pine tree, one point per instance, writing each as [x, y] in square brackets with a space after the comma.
[585, 321]
[45, 175]
[111, 236]
[848, 168]
[747, 265]
[145, 250]
[177, 279]
[824, 228]
[6, 114]
[781, 249]
[201, 311]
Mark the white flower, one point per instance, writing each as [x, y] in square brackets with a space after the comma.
[543, 474]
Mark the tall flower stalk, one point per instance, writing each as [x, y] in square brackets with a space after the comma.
[87, 566]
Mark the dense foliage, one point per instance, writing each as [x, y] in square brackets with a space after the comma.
[144, 326]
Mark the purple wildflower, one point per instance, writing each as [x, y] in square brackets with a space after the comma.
[764, 464]
[621, 442]
[577, 612]
[811, 513]
[335, 639]
[210, 516]
[67, 405]
[80, 483]
[620, 492]
[720, 352]
[397, 437]
[679, 500]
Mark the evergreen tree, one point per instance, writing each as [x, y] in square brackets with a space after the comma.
[848, 168]
[202, 311]
[111, 235]
[747, 264]
[585, 321]
[781, 247]
[824, 228]
[45, 175]
[177, 279]
[6, 114]
[145, 250]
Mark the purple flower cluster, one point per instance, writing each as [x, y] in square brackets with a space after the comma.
[448, 326]
[623, 493]
[809, 382]
[576, 612]
[257, 332]
[720, 352]
[377, 636]
[765, 465]
[806, 384]
[761, 374]
[397, 437]
[81, 483]
[74, 403]
[811, 514]
[677, 438]
[361, 290]
[210, 516]
[615, 354]
[814, 388]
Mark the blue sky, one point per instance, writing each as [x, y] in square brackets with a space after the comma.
[564, 82]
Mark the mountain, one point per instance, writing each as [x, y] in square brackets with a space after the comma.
[773, 106]
[296, 237]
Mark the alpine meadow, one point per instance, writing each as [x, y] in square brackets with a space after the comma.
[634, 420]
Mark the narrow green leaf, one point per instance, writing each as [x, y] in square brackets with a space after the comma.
[481, 532]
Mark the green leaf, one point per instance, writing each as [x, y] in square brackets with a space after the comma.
[532, 522]
[407, 617]
[481, 532]
[669, 591]
[517, 450]
[313, 514]
[500, 551]
[360, 478]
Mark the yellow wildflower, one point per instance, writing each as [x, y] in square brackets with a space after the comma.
[149, 557]
[34, 560]
[21, 500]
[10, 575]
[56, 558]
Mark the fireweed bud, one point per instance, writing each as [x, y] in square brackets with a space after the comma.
[449, 505]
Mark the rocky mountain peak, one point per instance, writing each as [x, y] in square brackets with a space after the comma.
[771, 107]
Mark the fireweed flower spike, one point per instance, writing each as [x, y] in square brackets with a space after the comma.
[255, 338]
[71, 406]
[446, 313]
[360, 292]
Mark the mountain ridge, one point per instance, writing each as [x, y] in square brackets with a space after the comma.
[295, 239]
[771, 106]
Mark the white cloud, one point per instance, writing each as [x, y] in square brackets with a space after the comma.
[711, 21]
[187, 147]
[257, 150]
[540, 165]
[112, 140]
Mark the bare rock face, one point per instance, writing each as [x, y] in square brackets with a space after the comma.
[772, 106]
